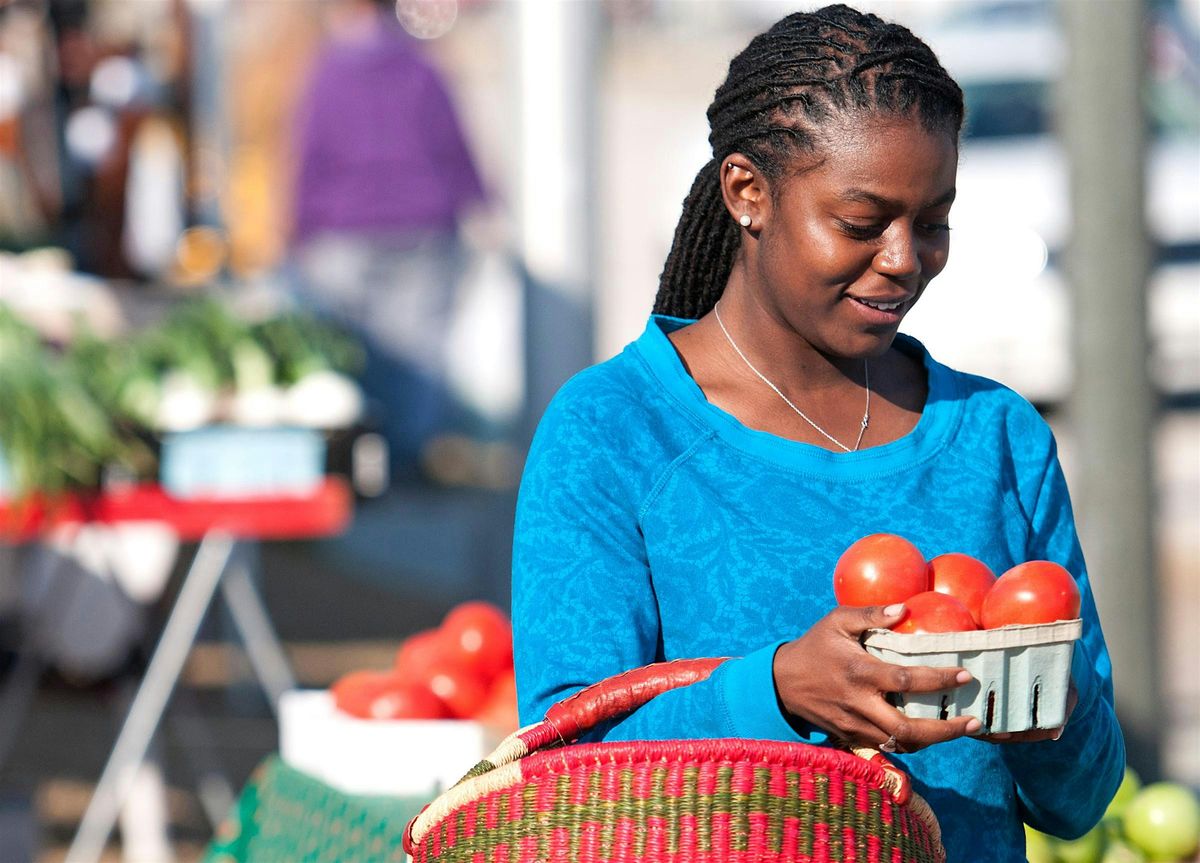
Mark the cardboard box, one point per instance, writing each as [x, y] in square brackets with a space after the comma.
[395, 757]
[1021, 673]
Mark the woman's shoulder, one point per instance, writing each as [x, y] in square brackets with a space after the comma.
[613, 387]
[989, 407]
[617, 409]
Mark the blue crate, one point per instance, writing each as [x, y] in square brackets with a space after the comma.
[236, 462]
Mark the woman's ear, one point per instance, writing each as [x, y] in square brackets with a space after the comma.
[744, 190]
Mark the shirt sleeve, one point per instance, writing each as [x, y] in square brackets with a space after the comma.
[1063, 786]
[584, 606]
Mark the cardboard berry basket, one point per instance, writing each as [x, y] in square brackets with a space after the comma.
[1021, 673]
[540, 797]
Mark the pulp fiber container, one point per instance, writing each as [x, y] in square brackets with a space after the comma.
[1021, 673]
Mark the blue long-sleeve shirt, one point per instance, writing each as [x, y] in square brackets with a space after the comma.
[653, 525]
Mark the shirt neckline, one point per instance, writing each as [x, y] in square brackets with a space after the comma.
[939, 415]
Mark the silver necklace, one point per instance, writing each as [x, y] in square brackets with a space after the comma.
[866, 419]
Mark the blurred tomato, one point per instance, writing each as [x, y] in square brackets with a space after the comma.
[880, 569]
[935, 612]
[418, 652]
[1035, 592]
[1164, 821]
[479, 636]
[500, 707]
[462, 690]
[966, 579]
[383, 695]
[404, 700]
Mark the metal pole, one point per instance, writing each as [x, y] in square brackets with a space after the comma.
[151, 700]
[556, 46]
[1113, 404]
[262, 645]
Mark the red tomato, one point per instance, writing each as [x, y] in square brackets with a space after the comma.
[1035, 592]
[878, 570]
[383, 695]
[935, 612]
[418, 652]
[966, 579]
[500, 708]
[479, 636]
[462, 690]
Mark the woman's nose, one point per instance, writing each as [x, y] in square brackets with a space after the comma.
[898, 258]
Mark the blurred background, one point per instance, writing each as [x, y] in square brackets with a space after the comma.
[310, 270]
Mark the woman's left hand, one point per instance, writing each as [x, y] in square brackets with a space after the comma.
[1035, 735]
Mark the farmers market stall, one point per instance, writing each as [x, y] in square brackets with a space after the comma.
[218, 422]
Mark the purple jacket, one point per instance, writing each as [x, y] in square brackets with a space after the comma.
[379, 146]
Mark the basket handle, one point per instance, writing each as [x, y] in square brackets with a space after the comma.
[615, 696]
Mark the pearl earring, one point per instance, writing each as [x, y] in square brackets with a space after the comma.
[744, 221]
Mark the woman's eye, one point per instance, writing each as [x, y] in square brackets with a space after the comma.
[860, 232]
[935, 228]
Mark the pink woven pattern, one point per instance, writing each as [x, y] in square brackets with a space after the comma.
[705, 801]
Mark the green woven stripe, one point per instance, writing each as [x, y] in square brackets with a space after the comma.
[574, 817]
[479, 769]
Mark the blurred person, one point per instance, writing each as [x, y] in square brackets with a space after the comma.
[691, 496]
[384, 178]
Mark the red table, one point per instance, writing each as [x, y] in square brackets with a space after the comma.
[324, 512]
[219, 525]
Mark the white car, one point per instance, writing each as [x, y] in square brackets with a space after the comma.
[1002, 306]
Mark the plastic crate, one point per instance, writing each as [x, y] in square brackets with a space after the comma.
[1021, 673]
[237, 462]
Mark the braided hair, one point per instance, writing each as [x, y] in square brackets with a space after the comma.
[780, 88]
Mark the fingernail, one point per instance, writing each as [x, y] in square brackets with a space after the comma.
[963, 676]
[974, 725]
[894, 609]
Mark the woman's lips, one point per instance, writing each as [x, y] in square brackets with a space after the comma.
[878, 311]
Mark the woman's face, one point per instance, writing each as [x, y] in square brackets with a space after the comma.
[848, 246]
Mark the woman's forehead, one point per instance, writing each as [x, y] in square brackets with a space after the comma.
[867, 159]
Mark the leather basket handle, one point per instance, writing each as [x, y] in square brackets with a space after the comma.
[616, 696]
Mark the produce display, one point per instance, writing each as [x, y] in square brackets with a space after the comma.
[463, 669]
[55, 433]
[1158, 823]
[953, 592]
[75, 411]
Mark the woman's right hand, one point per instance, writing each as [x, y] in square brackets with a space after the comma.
[828, 679]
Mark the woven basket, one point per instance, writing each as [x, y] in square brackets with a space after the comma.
[683, 801]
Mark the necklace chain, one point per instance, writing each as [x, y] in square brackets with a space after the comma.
[866, 418]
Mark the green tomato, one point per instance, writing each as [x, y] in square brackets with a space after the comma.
[1130, 785]
[1164, 821]
[1086, 849]
[1121, 852]
[1039, 848]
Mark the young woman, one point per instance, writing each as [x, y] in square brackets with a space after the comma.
[691, 496]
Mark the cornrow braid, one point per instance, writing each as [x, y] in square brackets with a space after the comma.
[779, 91]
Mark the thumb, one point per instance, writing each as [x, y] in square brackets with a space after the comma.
[859, 620]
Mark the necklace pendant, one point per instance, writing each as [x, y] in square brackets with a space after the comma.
[865, 422]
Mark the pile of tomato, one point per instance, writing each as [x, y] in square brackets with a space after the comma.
[463, 669]
[952, 592]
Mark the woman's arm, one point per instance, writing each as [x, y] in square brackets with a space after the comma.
[1064, 785]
